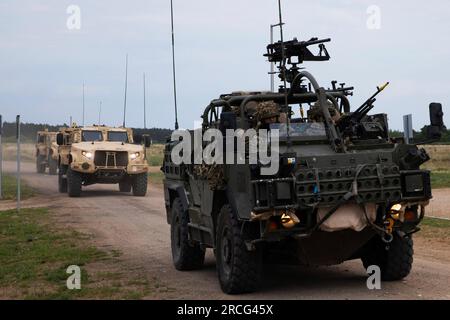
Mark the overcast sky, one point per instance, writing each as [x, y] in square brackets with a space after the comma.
[220, 44]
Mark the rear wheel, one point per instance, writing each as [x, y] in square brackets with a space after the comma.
[396, 262]
[185, 255]
[52, 166]
[40, 164]
[125, 186]
[238, 268]
[62, 179]
[74, 183]
[139, 184]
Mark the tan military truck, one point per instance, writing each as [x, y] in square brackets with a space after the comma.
[46, 152]
[100, 154]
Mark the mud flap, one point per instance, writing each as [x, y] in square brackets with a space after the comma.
[239, 190]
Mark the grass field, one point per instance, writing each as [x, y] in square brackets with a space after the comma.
[27, 152]
[10, 188]
[34, 257]
[435, 228]
[155, 155]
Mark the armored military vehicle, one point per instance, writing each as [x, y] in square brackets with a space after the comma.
[100, 154]
[344, 190]
[46, 152]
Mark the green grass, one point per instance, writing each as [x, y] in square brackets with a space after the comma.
[435, 229]
[156, 177]
[9, 187]
[436, 223]
[155, 155]
[34, 257]
[440, 179]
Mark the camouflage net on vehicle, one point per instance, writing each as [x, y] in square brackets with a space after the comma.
[266, 110]
[213, 173]
[260, 110]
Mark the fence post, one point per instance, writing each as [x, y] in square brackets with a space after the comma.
[1, 158]
[18, 161]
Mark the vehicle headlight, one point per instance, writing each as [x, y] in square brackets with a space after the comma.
[135, 155]
[87, 154]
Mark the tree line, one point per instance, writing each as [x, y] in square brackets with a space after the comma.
[29, 131]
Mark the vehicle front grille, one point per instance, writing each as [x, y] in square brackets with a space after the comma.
[111, 159]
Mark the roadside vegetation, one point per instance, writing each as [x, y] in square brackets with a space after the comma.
[34, 256]
[438, 229]
[155, 155]
[9, 188]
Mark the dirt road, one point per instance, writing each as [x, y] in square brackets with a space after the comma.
[138, 228]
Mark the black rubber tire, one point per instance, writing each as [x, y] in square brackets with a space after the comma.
[139, 184]
[52, 166]
[395, 263]
[239, 269]
[62, 181]
[74, 183]
[40, 166]
[185, 255]
[125, 186]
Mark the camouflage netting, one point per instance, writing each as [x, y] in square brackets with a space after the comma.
[260, 110]
[213, 173]
[267, 109]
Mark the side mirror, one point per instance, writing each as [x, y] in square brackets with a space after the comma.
[147, 140]
[434, 131]
[59, 139]
[137, 138]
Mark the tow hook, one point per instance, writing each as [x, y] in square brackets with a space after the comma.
[389, 227]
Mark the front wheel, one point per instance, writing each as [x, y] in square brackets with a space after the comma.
[40, 164]
[185, 255]
[62, 179]
[52, 166]
[395, 262]
[139, 184]
[74, 183]
[238, 268]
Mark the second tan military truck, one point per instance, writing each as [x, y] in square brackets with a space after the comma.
[46, 152]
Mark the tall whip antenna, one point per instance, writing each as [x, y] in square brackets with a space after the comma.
[100, 113]
[145, 109]
[173, 66]
[283, 70]
[83, 106]
[126, 88]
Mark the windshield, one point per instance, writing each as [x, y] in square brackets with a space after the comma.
[91, 136]
[118, 136]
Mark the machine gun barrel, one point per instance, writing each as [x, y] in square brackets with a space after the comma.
[314, 41]
[367, 106]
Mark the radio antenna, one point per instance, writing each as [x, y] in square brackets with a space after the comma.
[173, 66]
[283, 70]
[145, 109]
[100, 113]
[126, 87]
[83, 105]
